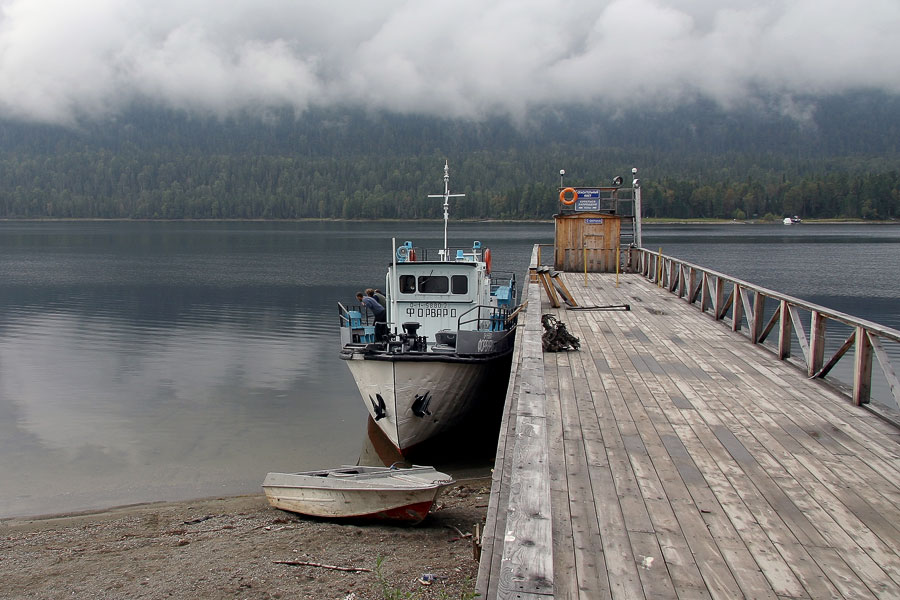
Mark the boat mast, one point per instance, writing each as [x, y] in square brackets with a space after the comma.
[446, 196]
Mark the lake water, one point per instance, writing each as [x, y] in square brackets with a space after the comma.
[162, 361]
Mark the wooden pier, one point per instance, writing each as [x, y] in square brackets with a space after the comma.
[673, 457]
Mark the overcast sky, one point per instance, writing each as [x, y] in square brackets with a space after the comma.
[62, 60]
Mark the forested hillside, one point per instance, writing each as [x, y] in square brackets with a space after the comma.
[837, 158]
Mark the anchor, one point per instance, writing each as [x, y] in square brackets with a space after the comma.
[379, 408]
[420, 404]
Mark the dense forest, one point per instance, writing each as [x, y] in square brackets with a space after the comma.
[838, 160]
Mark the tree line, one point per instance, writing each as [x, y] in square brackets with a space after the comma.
[697, 161]
[102, 184]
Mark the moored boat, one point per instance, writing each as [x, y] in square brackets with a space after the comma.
[358, 492]
[451, 321]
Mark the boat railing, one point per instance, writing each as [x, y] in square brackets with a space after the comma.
[798, 325]
[501, 279]
[347, 318]
[454, 254]
[486, 318]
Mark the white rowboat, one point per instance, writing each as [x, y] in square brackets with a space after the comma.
[358, 492]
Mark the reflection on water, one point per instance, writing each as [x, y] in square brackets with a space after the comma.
[152, 361]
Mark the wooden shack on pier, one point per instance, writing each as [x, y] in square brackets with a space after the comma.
[591, 227]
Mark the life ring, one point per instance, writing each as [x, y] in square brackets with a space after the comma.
[562, 196]
[412, 255]
[487, 260]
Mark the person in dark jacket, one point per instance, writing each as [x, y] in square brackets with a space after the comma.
[378, 313]
[378, 296]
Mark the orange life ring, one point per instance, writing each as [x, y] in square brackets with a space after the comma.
[562, 196]
[487, 260]
[411, 257]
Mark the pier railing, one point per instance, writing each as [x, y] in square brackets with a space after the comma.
[794, 322]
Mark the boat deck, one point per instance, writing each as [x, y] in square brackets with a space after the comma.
[671, 458]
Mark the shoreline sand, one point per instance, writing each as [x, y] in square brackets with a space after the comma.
[235, 547]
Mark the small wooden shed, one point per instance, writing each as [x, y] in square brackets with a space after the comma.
[586, 236]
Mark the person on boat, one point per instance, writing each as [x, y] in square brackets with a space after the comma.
[378, 296]
[378, 312]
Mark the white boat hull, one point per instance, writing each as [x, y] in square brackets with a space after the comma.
[446, 390]
[404, 494]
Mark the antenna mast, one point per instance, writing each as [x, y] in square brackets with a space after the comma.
[446, 196]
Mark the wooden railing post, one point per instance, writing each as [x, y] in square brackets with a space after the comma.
[784, 332]
[692, 283]
[862, 367]
[816, 343]
[720, 298]
[737, 313]
[756, 327]
[704, 292]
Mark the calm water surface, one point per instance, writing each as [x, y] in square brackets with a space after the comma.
[159, 361]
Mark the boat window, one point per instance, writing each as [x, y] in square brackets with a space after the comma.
[407, 284]
[459, 284]
[434, 284]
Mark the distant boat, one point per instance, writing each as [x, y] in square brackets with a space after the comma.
[795, 220]
[352, 492]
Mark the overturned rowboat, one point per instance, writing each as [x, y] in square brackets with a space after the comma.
[355, 492]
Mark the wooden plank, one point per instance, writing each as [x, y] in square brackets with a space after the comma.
[725, 466]
[840, 574]
[565, 582]
[590, 557]
[563, 290]
[624, 490]
[527, 564]
[495, 522]
[549, 288]
[722, 458]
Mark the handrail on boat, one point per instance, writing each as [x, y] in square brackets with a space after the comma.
[498, 315]
[343, 313]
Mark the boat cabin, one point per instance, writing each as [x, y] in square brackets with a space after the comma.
[435, 294]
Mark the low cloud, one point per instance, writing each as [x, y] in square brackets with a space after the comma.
[62, 61]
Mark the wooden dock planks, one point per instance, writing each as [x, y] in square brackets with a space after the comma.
[684, 462]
